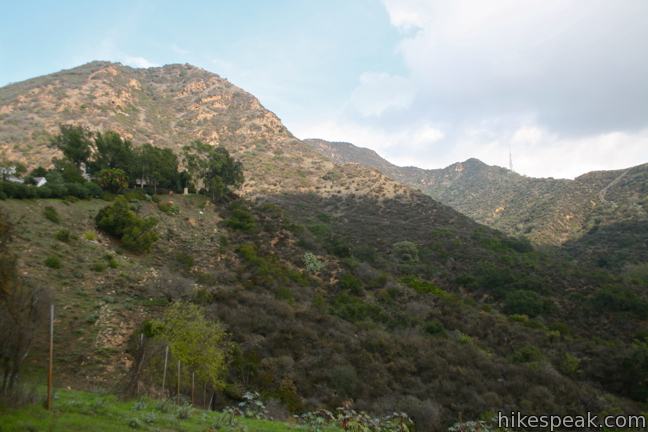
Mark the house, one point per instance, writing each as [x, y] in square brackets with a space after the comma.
[40, 181]
[7, 171]
[14, 179]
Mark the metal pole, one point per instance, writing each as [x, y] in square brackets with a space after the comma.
[166, 359]
[51, 359]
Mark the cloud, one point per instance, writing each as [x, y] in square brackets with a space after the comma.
[561, 83]
[379, 92]
[135, 61]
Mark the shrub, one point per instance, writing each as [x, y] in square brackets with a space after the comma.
[424, 287]
[569, 364]
[616, 299]
[312, 263]
[168, 208]
[63, 235]
[51, 214]
[350, 283]
[53, 262]
[434, 327]
[240, 218]
[99, 267]
[113, 180]
[524, 302]
[526, 354]
[405, 252]
[184, 261]
[120, 221]
[90, 235]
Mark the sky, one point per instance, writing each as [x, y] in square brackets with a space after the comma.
[562, 85]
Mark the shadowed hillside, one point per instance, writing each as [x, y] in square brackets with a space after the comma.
[544, 210]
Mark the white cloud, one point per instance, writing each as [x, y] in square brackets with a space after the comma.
[560, 83]
[379, 92]
[139, 62]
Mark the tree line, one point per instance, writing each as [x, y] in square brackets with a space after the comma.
[97, 162]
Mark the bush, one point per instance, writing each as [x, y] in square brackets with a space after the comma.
[434, 327]
[51, 214]
[240, 218]
[312, 263]
[113, 180]
[615, 299]
[168, 208]
[90, 235]
[63, 235]
[406, 252]
[120, 221]
[526, 354]
[184, 261]
[524, 302]
[53, 262]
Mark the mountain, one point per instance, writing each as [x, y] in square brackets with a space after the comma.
[334, 281]
[544, 210]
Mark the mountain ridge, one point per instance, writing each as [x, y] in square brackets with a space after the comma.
[545, 210]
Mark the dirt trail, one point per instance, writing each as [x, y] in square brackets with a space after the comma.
[603, 191]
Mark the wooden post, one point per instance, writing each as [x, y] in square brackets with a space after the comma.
[141, 359]
[193, 381]
[166, 359]
[50, 367]
[178, 389]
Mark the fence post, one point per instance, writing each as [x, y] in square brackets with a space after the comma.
[178, 389]
[51, 359]
[193, 380]
[166, 358]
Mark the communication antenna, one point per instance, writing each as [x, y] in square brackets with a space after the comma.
[510, 159]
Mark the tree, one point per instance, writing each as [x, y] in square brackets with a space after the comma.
[69, 172]
[212, 169]
[75, 142]
[195, 341]
[113, 180]
[112, 151]
[21, 310]
[157, 166]
[119, 220]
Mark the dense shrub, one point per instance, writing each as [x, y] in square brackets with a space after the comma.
[51, 214]
[50, 190]
[113, 180]
[241, 218]
[63, 235]
[53, 262]
[525, 302]
[169, 208]
[120, 221]
[617, 299]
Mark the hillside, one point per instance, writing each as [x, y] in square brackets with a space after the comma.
[334, 282]
[544, 210]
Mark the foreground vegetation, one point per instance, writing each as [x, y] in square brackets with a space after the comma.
[77, 411]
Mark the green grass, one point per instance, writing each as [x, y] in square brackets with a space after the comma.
[84, 411]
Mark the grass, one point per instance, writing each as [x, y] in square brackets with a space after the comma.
[97, 412]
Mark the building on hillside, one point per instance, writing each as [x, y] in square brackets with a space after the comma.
[14, 179]
[40, 181]
[7, 171]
